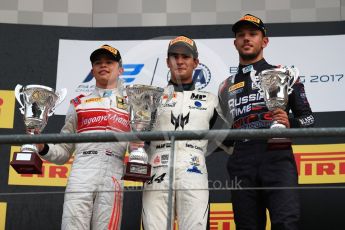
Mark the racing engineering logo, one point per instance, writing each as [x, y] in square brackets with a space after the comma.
[180, 120]
[201, 76]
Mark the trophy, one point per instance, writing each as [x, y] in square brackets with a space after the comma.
[144, 102]
[39, 102]
[276, 85]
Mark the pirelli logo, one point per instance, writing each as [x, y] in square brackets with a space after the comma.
[320, 164]
[109, 48]
[251, 18]
[236, 86]
[53, 175]
[222, 217]
[96, 99]
[182, 39]
[3, 207]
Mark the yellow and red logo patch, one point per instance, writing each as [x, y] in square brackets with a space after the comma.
[3, 215]
[96, 99]
[7, 102]
[250, 18]
[182, 39]
[236, 86]
[222, 217]
[109, 48]
[320, 164]
[120, 103]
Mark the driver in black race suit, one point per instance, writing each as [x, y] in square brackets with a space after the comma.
[189, 109]
[252, 163]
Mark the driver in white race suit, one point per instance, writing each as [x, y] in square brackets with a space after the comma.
[94, 192]
[189, 109]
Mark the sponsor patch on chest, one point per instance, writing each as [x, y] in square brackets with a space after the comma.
[102, 119]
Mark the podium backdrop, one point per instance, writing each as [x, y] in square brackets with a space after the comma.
[59, 57]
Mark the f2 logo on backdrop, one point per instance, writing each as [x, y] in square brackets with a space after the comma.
[128, 75]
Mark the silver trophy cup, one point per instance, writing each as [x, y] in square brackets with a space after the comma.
[276, 85]
[37, 103]
[144, 102]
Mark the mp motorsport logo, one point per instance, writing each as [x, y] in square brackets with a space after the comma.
[201, 76]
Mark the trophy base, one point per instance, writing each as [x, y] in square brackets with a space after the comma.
[279, 143]
[26, 163]
[137, 172]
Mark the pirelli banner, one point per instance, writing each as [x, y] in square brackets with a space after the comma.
[58, 57]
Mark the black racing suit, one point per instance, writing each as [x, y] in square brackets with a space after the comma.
[252, 164]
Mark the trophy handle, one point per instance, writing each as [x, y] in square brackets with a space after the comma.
[120, 87]
[18, 93]
[256, 80]
[61, 96]
[169, 92]
[294, 74]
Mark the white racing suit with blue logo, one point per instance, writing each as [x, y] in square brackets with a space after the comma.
[189, 109]
[93, 198]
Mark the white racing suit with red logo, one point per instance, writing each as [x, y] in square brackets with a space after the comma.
[189, 109]
[94, 192]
